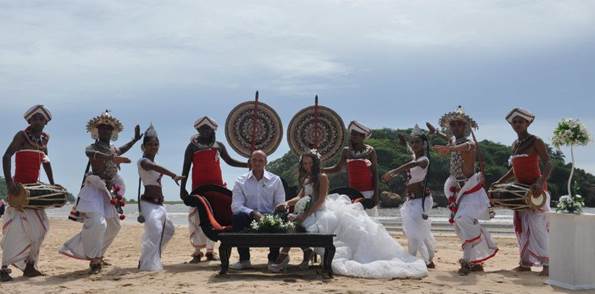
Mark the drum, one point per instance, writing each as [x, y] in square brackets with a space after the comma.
[515, 196]
[42, 195]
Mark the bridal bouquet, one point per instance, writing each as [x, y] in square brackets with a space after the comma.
[272, 223]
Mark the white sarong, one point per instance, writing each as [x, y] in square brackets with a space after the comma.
[473, 205]
[23, 233]
[418, 230]
[101, 223]
[198, 239]
[532, 229]
[159, 229]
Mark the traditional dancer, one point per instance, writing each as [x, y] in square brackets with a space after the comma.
[416, 223]
[364, 247]
[531, 226]
[467, 198]
[202, 154]
[25, 229]
[101, 222]
[159, 229]
[361, 162]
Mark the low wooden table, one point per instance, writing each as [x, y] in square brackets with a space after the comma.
[229, 240]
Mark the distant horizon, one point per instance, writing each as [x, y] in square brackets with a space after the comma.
[385, 63]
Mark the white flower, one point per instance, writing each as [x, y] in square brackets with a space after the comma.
[302, 204]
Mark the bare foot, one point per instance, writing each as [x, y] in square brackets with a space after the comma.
[196, 258]
[95, 268]
[30, 271]
[522, 268]
[210, 256]
[5, 275]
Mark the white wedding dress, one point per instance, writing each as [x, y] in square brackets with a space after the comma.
[364, 247]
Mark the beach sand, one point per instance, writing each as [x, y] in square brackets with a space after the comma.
[67, 275]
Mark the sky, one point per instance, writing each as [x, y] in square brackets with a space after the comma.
[385, 63]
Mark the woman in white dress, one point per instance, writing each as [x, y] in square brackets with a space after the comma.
[416, 223]
[364, 247]
[159, 229]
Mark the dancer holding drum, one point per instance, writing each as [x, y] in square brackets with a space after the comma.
[361, 162]
[25, 228]
[467, 198]
[531, 227]
[94, 200]
[203, 154]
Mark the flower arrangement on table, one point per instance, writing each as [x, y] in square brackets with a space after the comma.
[280, 223]
[570, 132]
[272, 223]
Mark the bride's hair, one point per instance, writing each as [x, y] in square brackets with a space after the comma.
[314, 175]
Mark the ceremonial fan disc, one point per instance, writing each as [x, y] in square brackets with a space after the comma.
[316, 127]
[245, 137]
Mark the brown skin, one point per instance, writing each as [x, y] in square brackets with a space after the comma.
[467, 150]
[105, 135]
[97, 160]
[205, 132]
[36, 124]
[520, 126]
[418, 148]
[150, 150]
[357, 143]
[20, 142]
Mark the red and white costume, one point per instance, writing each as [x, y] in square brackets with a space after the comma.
[531, 226]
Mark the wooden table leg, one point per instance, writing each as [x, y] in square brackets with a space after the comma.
[224, 254]
[329, 254]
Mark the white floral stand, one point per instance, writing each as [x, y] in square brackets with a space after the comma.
[572, 250]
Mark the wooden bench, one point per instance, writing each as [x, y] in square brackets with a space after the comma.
[280, 240]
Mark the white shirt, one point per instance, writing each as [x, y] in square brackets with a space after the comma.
[251, 194]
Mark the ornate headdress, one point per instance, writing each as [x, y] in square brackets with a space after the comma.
[38, 109]
[458, 115]
[528, 116]
[151, 132]
[105, 118]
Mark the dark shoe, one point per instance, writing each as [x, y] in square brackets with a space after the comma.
[308, 257]
[210, 256]
[431, 265]
[30, 271]
[545, 272]
[522, 268]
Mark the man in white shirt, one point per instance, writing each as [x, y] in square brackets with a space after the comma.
[256, 193]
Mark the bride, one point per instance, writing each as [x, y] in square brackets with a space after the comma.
[364, 247]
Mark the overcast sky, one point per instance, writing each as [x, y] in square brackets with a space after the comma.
[385, 63]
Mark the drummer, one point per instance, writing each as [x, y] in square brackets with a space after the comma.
[531, 226]
[467, 198]
[24, 228]
[361, 161]
[99, 215]
[203, 154]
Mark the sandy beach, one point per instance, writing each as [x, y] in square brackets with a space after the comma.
[67, 275]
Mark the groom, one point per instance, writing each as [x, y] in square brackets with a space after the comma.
[256, 193]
